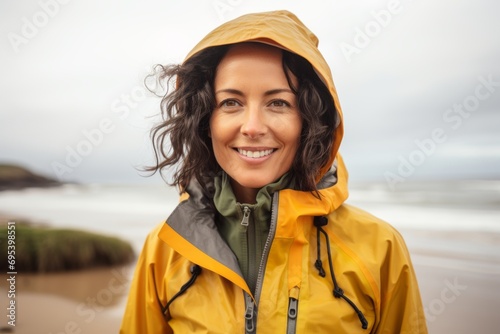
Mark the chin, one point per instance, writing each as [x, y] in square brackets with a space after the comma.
[254, 182]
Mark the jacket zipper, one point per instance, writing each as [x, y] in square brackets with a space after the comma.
[293, 310]
[250, 313]
[263, 261]
[247, 239]
[248, 242]
[252, 254]
[246, 217]
[244, 236]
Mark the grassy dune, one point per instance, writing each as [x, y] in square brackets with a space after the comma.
[42, 249]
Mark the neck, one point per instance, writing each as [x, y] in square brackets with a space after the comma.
[244, 194]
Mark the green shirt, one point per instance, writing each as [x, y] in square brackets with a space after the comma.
[245, 227]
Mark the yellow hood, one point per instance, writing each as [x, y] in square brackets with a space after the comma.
[282, 29]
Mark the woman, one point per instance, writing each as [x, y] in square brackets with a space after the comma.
[261, 241]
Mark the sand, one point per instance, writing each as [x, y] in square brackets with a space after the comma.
[89, 301]
[459, 279]
[460, 289]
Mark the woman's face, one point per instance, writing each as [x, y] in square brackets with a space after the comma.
[256, 125]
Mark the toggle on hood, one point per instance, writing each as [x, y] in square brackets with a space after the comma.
[284, 30]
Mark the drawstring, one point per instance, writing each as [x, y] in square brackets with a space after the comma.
[318, 264]
[337, 291]
[195, 272]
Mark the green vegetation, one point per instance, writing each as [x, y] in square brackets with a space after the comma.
[16, 177]
[42, 249]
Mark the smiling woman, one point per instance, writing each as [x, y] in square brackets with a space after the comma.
[255, 127]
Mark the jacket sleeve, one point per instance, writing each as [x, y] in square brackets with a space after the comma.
[401, 305]
[143, 312]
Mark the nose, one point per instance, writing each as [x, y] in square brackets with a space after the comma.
[254, 123]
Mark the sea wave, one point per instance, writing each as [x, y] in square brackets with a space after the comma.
[131, 211]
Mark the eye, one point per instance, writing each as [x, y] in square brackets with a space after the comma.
[279, 103]
[229, 103]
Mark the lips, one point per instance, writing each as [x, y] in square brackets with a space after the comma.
[255, 153]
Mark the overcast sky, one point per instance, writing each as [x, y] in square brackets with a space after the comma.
[419, 82]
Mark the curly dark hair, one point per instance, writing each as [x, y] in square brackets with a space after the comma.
[182, 140]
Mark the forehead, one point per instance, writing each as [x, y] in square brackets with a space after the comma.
[250, 62]
[248, 54]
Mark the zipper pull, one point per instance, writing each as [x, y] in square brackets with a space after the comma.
[249, 314]
[246, 216]
[293, 309]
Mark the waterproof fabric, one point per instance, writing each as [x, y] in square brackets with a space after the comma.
[370, 259]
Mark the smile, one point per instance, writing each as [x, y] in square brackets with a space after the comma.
[255, 154]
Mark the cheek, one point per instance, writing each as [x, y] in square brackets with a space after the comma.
[297, 139]
[294, 129]
[219, 135]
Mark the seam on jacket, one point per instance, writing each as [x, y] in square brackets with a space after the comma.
[153, 277]
[366, 272]
[194, 222]
[195, 255]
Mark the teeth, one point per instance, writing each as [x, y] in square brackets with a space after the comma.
[255, 154]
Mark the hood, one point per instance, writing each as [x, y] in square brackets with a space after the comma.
[282, 29]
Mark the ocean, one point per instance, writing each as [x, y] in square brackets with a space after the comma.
[131, 211]
[469, 205]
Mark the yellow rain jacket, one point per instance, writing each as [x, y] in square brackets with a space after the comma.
[187, 279]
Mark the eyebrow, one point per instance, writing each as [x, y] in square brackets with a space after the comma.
[267, 93]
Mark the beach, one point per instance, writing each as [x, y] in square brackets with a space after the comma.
[452, 231]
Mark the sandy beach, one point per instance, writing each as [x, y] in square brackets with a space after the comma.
[460, 290]
[458, 269]
[460, 293]
[89, 301]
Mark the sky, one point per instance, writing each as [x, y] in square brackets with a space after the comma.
[419, 82]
